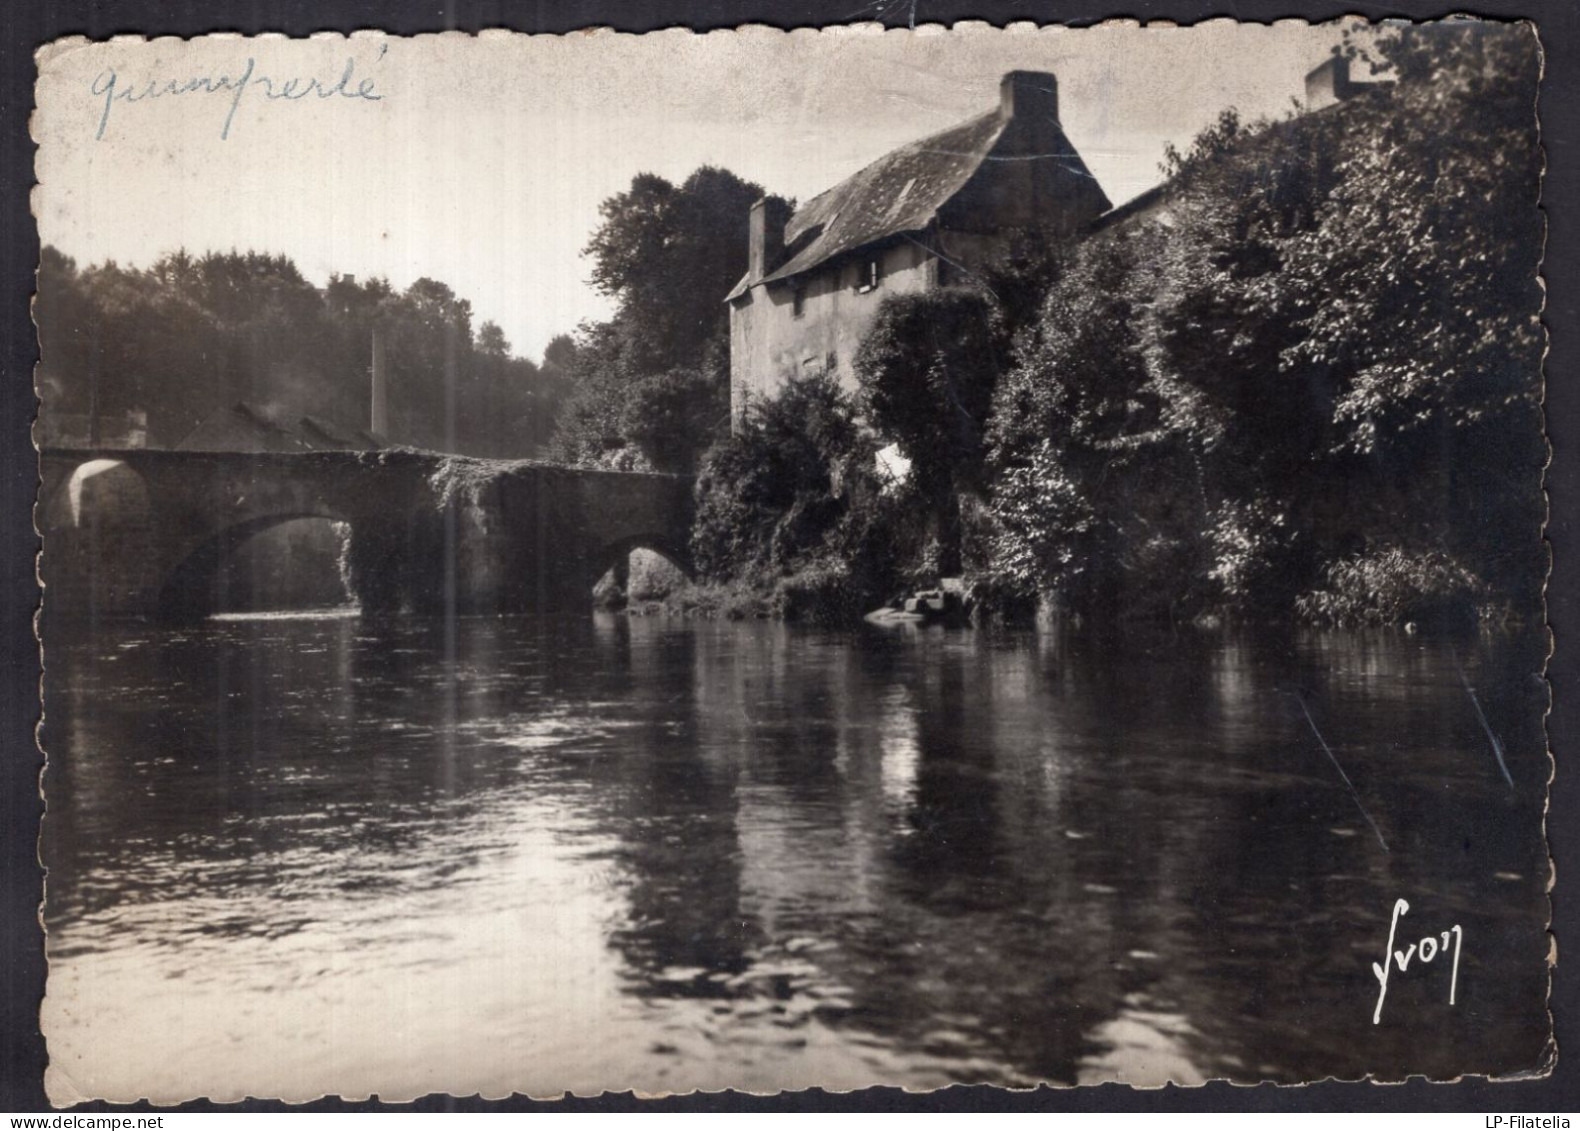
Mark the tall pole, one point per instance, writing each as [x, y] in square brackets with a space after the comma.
[378, 422]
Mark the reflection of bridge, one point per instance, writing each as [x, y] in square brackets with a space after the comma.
[143, 531]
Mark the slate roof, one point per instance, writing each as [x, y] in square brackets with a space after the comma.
[244, 427]
[1139, 206]
[903, 190]
[899, 192]
[241, 427]
[324, 436]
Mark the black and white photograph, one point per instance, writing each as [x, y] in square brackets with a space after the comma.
[769, 560]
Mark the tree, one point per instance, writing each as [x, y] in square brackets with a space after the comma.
[928, 368]
[668, 255]
[560, 354]
[1328, 347]
[588, 430]
[771, 496]
[673, 417]
[1433, 230]
[1431, 244]
[1082, 436]
[491, 341]
[193, 334]
[552, 383]
[67, 373]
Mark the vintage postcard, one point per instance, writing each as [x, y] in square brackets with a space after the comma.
[766, 559]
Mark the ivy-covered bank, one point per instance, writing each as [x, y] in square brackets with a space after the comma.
[1307, 386]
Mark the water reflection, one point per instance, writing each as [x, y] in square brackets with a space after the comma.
[480, 854]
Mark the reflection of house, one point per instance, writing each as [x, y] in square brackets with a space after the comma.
[930, 214]
[927, 215]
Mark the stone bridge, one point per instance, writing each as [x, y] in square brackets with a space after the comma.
[148, 532]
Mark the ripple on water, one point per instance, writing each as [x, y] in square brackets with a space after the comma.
[673, 857]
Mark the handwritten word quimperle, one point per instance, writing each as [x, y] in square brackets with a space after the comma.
[109, 86]
[1427, 949]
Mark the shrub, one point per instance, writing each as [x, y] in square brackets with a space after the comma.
[928, 368]
[1392, 586]
[824, 592]
[672, 417]
[1248, 547]
[771, 493]
[792, 508]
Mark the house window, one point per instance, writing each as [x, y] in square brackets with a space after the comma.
[870, 276]
[798, 300]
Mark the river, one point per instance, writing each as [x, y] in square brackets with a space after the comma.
[323, 853]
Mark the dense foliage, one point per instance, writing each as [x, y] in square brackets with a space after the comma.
[1391, 586]
[194, 334]
[652, 383]
[790, 505]
[928, 368]
[1315, 367]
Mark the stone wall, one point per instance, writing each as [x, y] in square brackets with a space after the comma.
[770, 343]
[1031, 183]
[140, 533]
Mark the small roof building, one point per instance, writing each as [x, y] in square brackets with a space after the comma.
[244, 427]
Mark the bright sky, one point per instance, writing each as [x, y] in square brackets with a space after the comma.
[484, 159]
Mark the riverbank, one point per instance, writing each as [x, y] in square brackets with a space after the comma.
[820, 595]
[824, 595]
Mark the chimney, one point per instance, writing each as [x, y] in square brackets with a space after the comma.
[1329, 83]
[766, 237]
[378, 422]
[1032, 96]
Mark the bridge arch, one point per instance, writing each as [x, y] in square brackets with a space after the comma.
[100, 553]
[98, 489]
[198, 580]
[612, 553]
[612, 563]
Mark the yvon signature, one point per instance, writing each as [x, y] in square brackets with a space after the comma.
[1425, 950]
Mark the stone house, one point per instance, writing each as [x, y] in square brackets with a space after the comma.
[245, 427]
[929, 214]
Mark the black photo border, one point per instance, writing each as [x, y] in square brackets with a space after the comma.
[27, 24]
